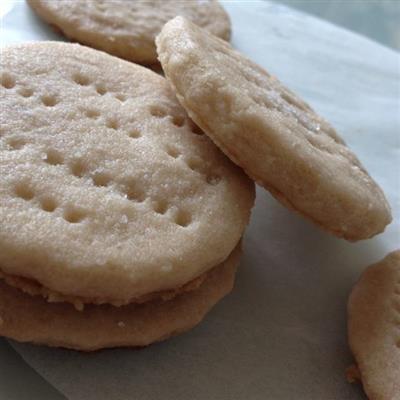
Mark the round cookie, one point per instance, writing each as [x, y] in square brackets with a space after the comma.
[272, 134]
[31, 319]
[374, 328]
[127, 29]
[107, 189]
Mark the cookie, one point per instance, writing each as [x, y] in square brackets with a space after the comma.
[127, 29]
[271, 133]
[374, 328]
[108, 191]
[31, 319]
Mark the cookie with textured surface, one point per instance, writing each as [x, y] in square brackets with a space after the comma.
[127, 29]
[271, 133]
[109, 192]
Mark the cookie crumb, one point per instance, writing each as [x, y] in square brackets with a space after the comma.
[121, 324]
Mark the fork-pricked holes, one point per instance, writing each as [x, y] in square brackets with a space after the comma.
[134, 133]
[182, 218]
[24, 191]
[25, 92]
[48, 204]
[49, 100]
[16, 143]
[133, 191]
[112, 123]
[158, 112]
[173, 152]
[74, 215]
[178, 120]
[7, 80]
[101, 89]
[53, 157]
[92, 113]
[160, 206]
[195, 165]
[81, 79]
[198, 166]
[121, 97]
[319, 144]
[101, 179]
[78, 168]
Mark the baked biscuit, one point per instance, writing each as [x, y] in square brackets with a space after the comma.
[31, 319]
[127, 29]
[108, 191]
[374, 329]
[271, 133]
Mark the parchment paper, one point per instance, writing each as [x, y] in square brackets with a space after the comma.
[281, 334]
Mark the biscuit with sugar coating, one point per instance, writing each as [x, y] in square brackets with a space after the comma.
[374, 328]
[271, 133]
[107, 189]
[127, 29]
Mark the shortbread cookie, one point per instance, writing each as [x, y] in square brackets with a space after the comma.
[271, 133]
[374, 328]
[31, 319]
[128, 29]
[107, 189]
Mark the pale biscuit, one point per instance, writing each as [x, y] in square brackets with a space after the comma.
[127, 29]
[374, 328]
[107, 189]
[31, 319]
[271, 133]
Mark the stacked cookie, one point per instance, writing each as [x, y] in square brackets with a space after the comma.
[111, 200]
[124, 195]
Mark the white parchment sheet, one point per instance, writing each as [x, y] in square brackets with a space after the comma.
[281, 334]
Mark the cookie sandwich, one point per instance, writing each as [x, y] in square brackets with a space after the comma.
[120, 221]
